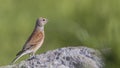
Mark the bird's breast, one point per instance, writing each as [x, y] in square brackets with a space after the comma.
[37, 46]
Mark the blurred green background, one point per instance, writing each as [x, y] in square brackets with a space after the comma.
[92, 23]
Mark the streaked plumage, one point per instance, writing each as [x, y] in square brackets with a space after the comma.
[35, 40]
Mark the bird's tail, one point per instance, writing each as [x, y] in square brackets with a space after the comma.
[17, 57]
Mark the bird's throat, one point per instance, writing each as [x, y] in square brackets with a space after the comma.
[41, 28]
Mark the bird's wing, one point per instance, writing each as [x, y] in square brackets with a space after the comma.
[34, 39]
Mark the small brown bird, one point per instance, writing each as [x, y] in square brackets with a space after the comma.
[35, 40]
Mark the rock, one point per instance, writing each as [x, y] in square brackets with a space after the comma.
[67, 57]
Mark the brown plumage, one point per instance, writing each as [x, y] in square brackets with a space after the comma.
[35, 40]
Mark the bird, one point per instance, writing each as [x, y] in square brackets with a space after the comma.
[35, 40]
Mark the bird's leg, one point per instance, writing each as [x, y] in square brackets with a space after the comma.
[32, 55]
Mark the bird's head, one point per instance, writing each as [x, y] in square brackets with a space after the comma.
[41, 21]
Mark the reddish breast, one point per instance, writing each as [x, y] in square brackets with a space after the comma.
[36, 37]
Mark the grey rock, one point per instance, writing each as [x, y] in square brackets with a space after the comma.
[67, 57]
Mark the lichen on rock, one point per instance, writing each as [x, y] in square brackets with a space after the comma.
[67, 57]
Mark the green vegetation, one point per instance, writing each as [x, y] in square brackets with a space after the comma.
[92, 23]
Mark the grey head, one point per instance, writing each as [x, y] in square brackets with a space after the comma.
[41, 22]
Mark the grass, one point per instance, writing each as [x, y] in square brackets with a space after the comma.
[90, 23]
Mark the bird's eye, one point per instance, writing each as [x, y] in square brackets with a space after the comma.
[43, 19]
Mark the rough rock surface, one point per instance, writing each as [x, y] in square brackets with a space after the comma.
[68, 57]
